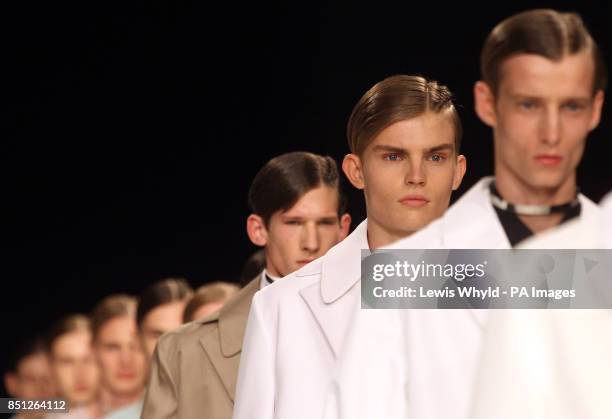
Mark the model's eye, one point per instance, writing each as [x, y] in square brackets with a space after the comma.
[527, 104]
[573, 106]
[437, 158]
[292, 222]
[392, 156]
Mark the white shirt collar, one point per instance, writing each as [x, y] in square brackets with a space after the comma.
[263, 281]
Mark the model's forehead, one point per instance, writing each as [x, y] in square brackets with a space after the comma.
[430, 129]
[534, 75]
[320, 201]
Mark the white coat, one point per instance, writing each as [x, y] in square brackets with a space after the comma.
[551, 363]
[422, 363]
[295, 331]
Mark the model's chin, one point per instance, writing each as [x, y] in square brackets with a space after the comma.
[416, 222]
[547, 179]
[81, 398]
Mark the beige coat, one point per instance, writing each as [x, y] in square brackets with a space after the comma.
[194, 368]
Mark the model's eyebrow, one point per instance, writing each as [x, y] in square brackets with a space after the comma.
[331, 217]
[389, 149]
[441, 147]
[436, 148]
[111, 345]
[519, 96]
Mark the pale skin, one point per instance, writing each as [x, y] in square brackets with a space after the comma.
[32, 380]
[122, 361]
[75, 370]
[541, 116]
[158, 321]
[407, 172]
[303, 233]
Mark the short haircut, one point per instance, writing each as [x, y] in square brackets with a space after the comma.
[33, 346]
[398, 98]
[161, 292]
[68, 324]
[543, 32]
[215, 292]
[113, 306]
[286, 178]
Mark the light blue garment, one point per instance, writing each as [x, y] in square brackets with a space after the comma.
[131, 411]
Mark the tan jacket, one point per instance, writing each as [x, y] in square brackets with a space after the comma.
[194, 368]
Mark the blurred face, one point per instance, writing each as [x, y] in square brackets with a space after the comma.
[541, 117]
[158, 321]
[120, 356]
[74, 368]
[301, 234]
[407, 172]
[32, 379]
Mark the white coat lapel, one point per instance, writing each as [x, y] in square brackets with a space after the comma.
[334, 318]
[471, 223]
[334, 299]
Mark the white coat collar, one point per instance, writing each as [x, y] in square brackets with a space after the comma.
[341, 266]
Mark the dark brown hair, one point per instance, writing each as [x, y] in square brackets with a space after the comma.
[286, 178]
[24, 349]
[396, 99]
[544, 32]
[215, 292]
[117, 305]
[65, 325]
[161, 292]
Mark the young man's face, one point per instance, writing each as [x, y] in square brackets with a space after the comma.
[407, 172]
[74, 367]
[303, 233]
[158, 321]
[541, 117]
[121, 358]
[32, 379]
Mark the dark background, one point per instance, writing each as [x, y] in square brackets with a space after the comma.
[133, 129]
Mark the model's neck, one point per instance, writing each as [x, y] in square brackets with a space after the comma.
[380, 237]
[110, 401]
[271, 271]
[93, 410]
[515, 191]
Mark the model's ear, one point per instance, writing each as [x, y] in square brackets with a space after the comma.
[460, 169]
[484, 103]
[257, 231]
[352, 168]
[598, 101]
[345, 225]
[10, 384]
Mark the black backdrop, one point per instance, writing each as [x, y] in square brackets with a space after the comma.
[134, 128]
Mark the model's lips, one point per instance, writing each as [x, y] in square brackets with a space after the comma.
[81, 387]
[126, 375]
[305, 261]
[548, 159]
[414, 201]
